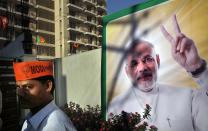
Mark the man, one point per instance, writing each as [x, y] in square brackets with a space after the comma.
[173, 109]
[35, 86]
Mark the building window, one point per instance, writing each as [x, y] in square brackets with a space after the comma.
[72, 1]
[72, 25]
[72, 13]
[72, 36]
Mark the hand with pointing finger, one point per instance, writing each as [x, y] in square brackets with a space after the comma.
[183, 49]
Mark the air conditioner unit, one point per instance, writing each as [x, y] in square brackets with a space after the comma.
[32, 26]
[32, 14]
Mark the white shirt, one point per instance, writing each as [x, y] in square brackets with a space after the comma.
[49, 118]
[173, 108]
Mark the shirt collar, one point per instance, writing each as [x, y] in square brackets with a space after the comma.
[37, 118]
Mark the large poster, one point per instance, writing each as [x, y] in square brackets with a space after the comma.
[143, 21]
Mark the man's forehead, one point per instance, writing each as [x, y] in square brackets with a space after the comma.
[24, 82]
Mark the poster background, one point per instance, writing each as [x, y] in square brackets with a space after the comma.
[122, 26]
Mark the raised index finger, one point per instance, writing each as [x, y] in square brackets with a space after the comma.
[167, 35]
[176, 26]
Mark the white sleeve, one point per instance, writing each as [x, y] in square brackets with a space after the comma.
[202, 80]
[200, 110]
[200, 103]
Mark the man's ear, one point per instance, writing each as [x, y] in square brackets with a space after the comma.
[158, 60]
[49, 86]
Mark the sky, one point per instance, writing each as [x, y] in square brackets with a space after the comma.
[116, 5]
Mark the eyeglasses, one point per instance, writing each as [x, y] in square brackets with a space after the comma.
[146, 60]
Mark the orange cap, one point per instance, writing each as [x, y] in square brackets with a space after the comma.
[32, 69]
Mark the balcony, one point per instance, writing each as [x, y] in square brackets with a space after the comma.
[90, 33]
[82, 43]
[90, 13]
[45, 8]
[75, 18]
[3, 38]
[46, 3]
[77, 42]
[31, 14]
[3, 4]
[99, 26]
[93, 45]
[101, 2]
[32, 26]
[44, 19]
[77, 30]
[89, 2]
[44, 50]
[90, 23]
[44, 57]
[18, 25]
[22, 27]
[45, 32]
[30, 2]
[101, 8]
[99, 16]
[99, 36]
[44, 44]
[74, 7]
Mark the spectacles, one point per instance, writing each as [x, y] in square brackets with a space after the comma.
[146, 60]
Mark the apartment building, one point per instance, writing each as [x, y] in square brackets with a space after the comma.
[31, 25]
[78, 25]
[35, 20]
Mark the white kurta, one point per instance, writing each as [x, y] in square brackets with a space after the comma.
[173, 108]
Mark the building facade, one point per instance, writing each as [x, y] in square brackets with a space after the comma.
[34, 19]
[78, 25]
[31, 25]
[10, 114]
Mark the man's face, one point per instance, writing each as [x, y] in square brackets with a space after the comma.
[31, 93]
[142, 66]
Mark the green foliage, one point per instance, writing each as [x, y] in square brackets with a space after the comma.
[89, 119]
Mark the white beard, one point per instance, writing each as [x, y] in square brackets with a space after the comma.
[147, 86]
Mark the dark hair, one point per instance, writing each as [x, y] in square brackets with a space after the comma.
[135, 42]
[44, 79]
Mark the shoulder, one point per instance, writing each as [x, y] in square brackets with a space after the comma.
[115, 105]
[176, 94]
[58, 115]
[120, 98]
[169, 89]
[57, 119]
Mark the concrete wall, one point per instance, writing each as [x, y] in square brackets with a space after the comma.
[78, 78]
[13, 49]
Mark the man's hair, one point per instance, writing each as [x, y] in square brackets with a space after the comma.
[44, 79]
[135, 42]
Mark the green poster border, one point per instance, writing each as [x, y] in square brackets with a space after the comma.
[105, 21]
